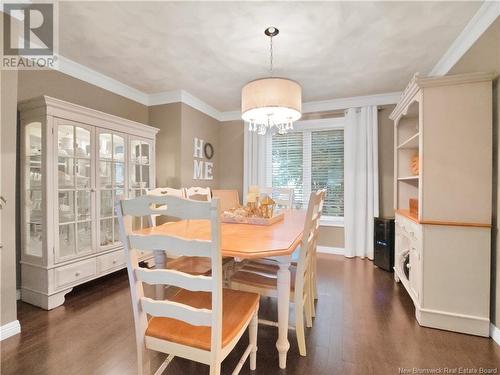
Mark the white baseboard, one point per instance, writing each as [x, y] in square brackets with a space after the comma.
[495, 333]
[331, 250]
[10, 329]
[18, 294]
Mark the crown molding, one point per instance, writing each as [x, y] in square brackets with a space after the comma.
[230, 116]
[484, 17]
[200, 105]
[351, 102]
[333, 104]
[165, 97]
[93, 77]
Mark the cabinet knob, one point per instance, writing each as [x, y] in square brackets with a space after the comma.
[114, 261]
[77, 273]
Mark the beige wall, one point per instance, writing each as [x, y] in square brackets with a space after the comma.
[484, 56]
[231, 155]
[199, 125]
[331, 237]
[179, 124]
[33, 83]
[167, 118]
[8, 109]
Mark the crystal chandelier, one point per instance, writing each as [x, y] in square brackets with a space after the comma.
[271, 104]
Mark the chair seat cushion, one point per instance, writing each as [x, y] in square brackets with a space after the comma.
[238, 308]
[260, 277]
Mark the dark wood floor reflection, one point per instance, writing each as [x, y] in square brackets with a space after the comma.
[365, 325]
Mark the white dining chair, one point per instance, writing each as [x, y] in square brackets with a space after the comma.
[263, 280]
[161, 191]
[198, 193]
[202, 321]
[283, 197]
[228, 198]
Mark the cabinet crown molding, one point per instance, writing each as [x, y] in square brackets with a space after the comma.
[60, 108]
[418, 82]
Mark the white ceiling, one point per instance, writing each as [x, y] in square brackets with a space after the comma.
[211, 49]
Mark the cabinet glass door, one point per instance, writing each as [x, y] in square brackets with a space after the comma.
[111, 185]
[32, 199]
[74, 190]
[140, 172]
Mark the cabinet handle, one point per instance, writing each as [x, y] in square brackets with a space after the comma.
[92, 190]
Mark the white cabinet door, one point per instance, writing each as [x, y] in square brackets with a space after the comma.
[74, 181]
[140, 166]
[140, 171]
[111, 184]
[33, 177]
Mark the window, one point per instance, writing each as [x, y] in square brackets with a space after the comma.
[308, 159]
[287, 160]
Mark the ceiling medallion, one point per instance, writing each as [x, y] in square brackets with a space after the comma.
[272, 103]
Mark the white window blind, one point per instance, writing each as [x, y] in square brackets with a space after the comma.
[307, 160]
[286, 164]
[327, 169]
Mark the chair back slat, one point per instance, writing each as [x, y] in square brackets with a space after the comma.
[198, 193]
[171, 244]
[198, 283]
[179, 311]
[283, 197]
[169, 206]
[161, 191]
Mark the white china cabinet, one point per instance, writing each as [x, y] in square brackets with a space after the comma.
[76, 162]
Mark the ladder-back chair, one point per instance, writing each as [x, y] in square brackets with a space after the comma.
[202, 321]
[260, 280]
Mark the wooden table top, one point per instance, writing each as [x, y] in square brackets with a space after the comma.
[243, 240]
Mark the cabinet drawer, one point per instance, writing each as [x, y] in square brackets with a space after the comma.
[74, 273]
[114, 260]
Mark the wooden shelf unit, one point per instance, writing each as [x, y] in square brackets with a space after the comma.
[447, 122]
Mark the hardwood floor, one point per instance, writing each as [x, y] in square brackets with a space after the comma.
[365, 325]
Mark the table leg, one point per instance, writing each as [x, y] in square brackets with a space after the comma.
[160, 263]
[283, 306]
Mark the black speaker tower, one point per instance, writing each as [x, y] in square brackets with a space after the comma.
[384, 244]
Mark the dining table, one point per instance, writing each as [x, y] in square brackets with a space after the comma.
[249, 241]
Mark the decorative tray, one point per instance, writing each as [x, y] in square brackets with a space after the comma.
[229, 217]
